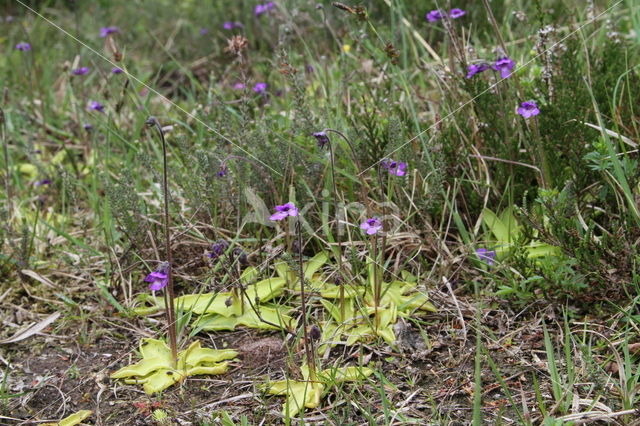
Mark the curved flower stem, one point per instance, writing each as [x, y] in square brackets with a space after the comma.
[363, 183]
[307, 343]
[169, 294]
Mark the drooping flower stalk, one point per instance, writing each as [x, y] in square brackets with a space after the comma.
[169, 295]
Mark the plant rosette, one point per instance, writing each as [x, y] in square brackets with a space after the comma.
[156, 371]
[307, 393]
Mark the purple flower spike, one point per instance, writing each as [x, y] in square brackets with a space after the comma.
[434, 16]
[116, 70]
[321, 138]
[456, 13]
[159, 278]
[474, 69]
[371, 226]
[23, 46]
[105, 31]
[96, 106]
[80, 71]
[260, 88]
[263, 8]
[504, 65]
[528, 109]
[283, 211]
[487, 256]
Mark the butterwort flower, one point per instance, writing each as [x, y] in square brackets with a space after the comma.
[203, 31]
[434, 16]
[223, 171]
[159, 278]
[23, 46]
[321, 138]
[96, 106]
[218, 249]
[42, 182]
[474, 69]
[80, 71]
[239, 86]
[528, 109]
[288, 209]
[116, 70]
[260, 88]
[487, 256]
[231, 25]
[504, 65]
[88, 127]
[456, 13]
[371, 226]
[105, 31]
[396, 168]
[263, 8]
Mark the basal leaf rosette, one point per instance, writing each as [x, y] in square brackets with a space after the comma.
[156, 372]
[305, 393]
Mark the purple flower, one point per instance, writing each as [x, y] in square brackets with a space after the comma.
[396, 168]
[218, 249]
[88, 127]
[96, 106]
[321, 138]
[116, 70]
[23, 46]
[80, 71]
[158, 278]
[223, 171]
[434, 16]
[528, 109]
[456, 13]
[487, 256]
[260, 88]
[371, 226]
[42, 182]
[264, 8]
[504, 65]
[105, 31]
[288, 209]
[203, 31]
[474, 69]
[231, 25]
[239, 86]
[9, 19]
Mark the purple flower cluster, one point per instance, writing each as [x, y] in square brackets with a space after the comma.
[288, 209]
[116, 70]
[159, 278]
[528, 109]
[396, 168]
[218, 249]
[436, 15]
[504, 65]
[23, 46]
[264, 8]
[105, 31]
